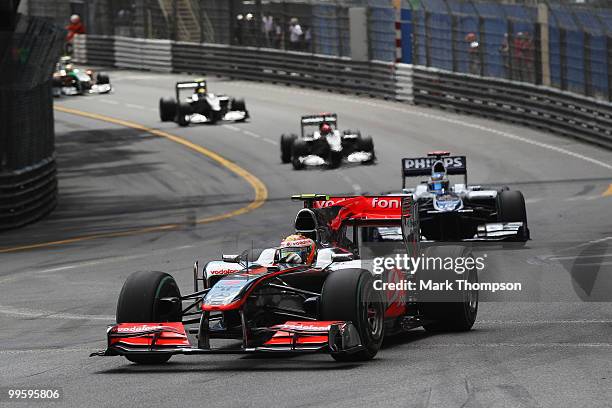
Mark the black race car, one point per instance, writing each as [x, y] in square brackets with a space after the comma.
[201, 106]
[325, 145]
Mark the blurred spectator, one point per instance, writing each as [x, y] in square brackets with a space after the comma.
[75, 27]
[523, 57]
[295, 34]
[250, 28]
[307, 38]
[278, 35]
[268, 29]
[504, 50]
[239, 29]
[474, 53]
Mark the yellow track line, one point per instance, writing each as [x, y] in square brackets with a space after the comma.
[261, 192]
[608, 192]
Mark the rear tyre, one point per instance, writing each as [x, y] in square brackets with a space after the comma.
[102, 79]
[299, 149]
[335, 159]
[349, 295]
[238, 105]
[139, 303]
[286, 144]
[182, 114]
[167, 109]
[453, 310]
[511, 208]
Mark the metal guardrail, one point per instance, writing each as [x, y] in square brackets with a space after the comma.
[541, 107]
[138, 53]
[536, 106]
[293, 68]
[27, 194]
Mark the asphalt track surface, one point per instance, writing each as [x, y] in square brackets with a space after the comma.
[131, 201]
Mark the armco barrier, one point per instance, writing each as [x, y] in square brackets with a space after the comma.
[293, 68]
[27, 194]
[137, 53]
[536, 106]
[545, 108]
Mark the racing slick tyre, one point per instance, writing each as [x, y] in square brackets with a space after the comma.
[286, 144]
[299, 149]
[167, 109]
[349, 295]
[238, 105]
[366, 144]
[511, 208]
[448, 310]
[182, 114]
[335, 159]
[102, 79]
[139, 303]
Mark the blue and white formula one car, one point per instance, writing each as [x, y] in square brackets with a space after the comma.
[462, 212]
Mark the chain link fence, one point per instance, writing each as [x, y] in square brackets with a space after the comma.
[508, 41]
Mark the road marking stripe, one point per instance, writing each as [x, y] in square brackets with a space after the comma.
[40, 314]
[272, 142]
[131, 105]
[261, 192]
[608, 192]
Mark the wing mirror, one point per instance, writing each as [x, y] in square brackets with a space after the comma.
[235, 258]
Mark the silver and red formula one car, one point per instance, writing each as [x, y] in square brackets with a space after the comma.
[316, 292]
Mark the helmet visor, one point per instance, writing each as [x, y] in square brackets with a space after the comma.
[303, 252]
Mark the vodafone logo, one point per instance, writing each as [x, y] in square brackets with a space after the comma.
[135, 329]
[386, 203]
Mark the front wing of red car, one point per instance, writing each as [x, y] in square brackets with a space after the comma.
[289, 337]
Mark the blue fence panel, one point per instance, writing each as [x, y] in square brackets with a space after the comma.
[382, 33]
[574, 51]
[435, 6]
[520, 12]
[420, 37]
[555, 55]
[407, 40]
[441, 41]
[326, 33]
[599, 65]
[496, 48]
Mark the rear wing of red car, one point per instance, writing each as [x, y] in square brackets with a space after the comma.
[393, 210]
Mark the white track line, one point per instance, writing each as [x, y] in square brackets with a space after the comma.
[252, 134]
[40, 314]
[494, 345]
[133, 106]
[272, 142]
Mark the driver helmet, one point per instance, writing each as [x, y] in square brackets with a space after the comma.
[74, 19]
[438, 182]
[297, 249]
[325, 129]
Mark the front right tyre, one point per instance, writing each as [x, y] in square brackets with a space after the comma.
[349, 295]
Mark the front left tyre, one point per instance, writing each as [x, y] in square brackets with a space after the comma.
[167, 109]
[139, 302]
[286, 144]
